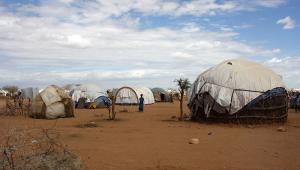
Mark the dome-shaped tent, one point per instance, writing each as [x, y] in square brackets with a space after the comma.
[128, 95]
[102, 102]
[161, 95]
[238, 88]
[89, 91]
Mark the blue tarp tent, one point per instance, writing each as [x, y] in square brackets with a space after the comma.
[102, 101]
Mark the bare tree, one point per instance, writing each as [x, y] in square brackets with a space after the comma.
[183, 85]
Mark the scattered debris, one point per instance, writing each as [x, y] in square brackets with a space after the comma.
[282, 129]
[194, 141]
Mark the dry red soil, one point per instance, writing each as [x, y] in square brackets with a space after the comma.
[153, 140]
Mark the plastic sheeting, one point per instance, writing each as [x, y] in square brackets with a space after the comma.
[131, 95]
[50, 96]
[53, 102]
[30, 93]
[102, 100]
[89, 91]
[55, 110]
[234, 83]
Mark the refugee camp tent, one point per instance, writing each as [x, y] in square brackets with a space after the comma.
[102, 102]
[29, 93]
[128, 95]
[3, 92]
[238, 88]
[53, 102]
[160, 95]
[90, 91]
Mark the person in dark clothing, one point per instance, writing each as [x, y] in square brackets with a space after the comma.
[297, 106]
[141, 103]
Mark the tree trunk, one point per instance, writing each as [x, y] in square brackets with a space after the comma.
[181, 107]
[113, 114]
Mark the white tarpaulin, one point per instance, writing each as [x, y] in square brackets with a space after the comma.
[50, 95]
[55, 110]
[30, 92]
[57, 103]
[234, 83]
[89, 91]
[129, 95]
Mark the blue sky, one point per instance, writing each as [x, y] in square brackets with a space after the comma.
[143, 42]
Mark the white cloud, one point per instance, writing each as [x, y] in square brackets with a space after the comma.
[287, 22]
[276, 50]
[179, 54]
[288, 67]
[226, 29]
[268, 3]
[100, 41]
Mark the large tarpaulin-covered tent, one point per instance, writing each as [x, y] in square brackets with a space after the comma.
[128, 95]
[238, 88]
[53, 102]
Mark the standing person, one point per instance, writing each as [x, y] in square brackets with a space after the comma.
[297, 107]
[141, 103]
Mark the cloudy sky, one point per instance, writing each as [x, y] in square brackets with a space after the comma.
[143, 42]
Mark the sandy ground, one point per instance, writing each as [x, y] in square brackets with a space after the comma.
[153, 140]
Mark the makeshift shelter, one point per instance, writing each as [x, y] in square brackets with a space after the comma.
[89, 91]
[238, 88]
[29, 93]
[3, 92]
[53, 102]
[102, 102]
[160, 95]
[128, 95]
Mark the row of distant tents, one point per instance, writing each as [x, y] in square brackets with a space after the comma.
[235, 88]
[93, 93]
[92, 96]
[54, 102]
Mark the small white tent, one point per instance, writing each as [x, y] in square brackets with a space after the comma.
[90, 91]
[128, 95]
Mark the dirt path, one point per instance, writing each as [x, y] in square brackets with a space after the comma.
[153, 140]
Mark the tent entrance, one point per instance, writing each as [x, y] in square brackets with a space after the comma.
[162, 97]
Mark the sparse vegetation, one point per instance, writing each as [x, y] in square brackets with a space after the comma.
[183, 85]
[35, 149]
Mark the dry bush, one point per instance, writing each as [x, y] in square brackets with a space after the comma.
[10, 106]
[35, 149]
